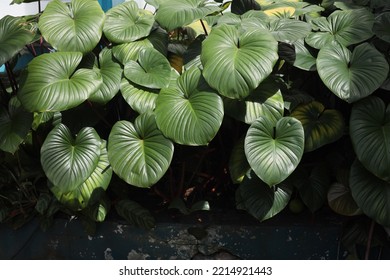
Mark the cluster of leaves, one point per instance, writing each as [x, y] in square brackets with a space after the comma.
[302, 84]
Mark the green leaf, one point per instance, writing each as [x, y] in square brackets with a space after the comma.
[43, 203]
[68, 162]
[265, 100]
[189, 113]
[111, 73]
[259, 200]
[341, 201]
[178, 13]
[313, 186]
[238, 164]
[235, 62]
[83, 195]
[13, 37]
[370, 193]
[370, 135]
[54, 84]
[381, 26]
[322, 126]
[139, 98]
[130, 51]
[135, 214]
[139, 153]
[15, 123]
[304, 59]
[274, 149]
[346, 27]
[151, 70]
[288, 30]
[72, 27]
[126, 23]
[352, 75]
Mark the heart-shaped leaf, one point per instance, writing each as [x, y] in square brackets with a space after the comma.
[352, 75]
[130, 51]
[381, 26]
[259, 200]
[189, 113]
[135, 214]
[15, 123]
[151, 70]
[370, 193]
[288, 30]
[178, 13]
[246, 57]
[304, 58]
[341, 201]
[370, 134]
[265, 100]
[77, 26]
[126, 23]
[68, 162]
[139, 153]
[80, 197]
[313, 185]
[274, 149]
[13, 37]
[53, 85]
[139, 98]
[111, 73]
[346, 27]
[322, 126]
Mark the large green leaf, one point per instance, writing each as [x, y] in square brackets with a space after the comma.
[346, 27]
[68, 162]
[126, 23]
[322, 126]
[370, 135]
[111, 73]
[352, 75]
[130, 51]
[235, 62]
[265, 100]
[79, 197]
[139, 153]
[381, 26]
[371, 194]
[341, 201]
[178, 13]
[139, 98]
[259, 200]
[288, 30]
[52, 84]
[13, 37]
[151, 69]
[72, 27]
[304, 58]
[189, 113]
[274, 149]
[15, 123]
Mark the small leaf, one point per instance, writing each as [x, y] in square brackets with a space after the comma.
[43, 203]
[135, 214]
[15, 123]
[322, 126]
[238, 164]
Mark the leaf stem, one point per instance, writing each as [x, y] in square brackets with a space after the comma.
[204, 28]
[369, 241]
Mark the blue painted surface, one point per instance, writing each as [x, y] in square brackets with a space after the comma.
[2, 68]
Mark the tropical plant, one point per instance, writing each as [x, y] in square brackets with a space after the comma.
[287, 97]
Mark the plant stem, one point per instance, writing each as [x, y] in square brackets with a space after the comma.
[11, 78]
[204, 28]
[369, 241]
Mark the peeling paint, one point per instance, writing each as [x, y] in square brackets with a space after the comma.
[108, 254]
[119, 229]
[134, 255]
